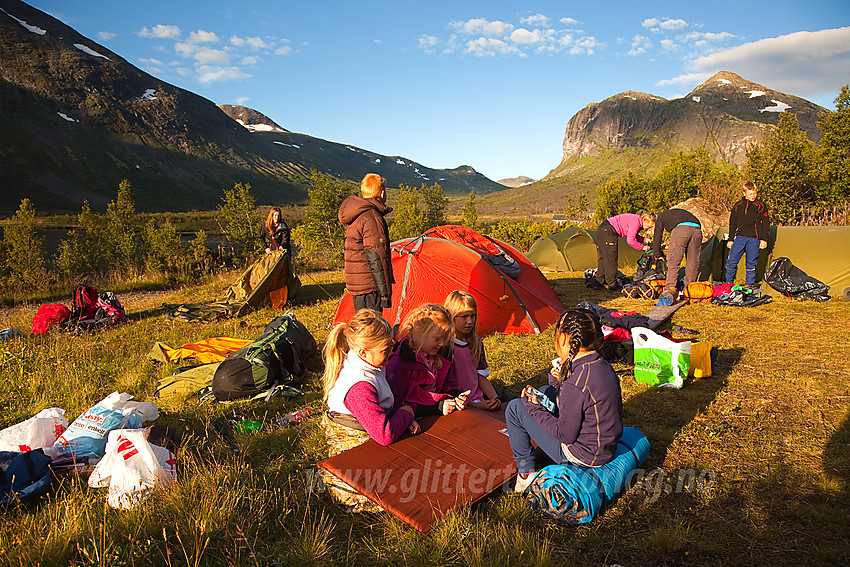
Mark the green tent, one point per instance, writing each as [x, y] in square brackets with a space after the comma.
[823, 252]
[574, 249]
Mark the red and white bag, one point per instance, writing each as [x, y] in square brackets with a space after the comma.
[131, 467]
[37, 432]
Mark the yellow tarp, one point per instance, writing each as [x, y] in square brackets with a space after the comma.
[215, 349]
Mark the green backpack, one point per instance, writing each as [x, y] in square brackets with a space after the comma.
[267, 366]
[186, 383]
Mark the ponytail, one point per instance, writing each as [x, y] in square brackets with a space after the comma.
[367, 330]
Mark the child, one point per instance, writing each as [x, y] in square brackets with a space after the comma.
[355, 383]
[360, 402]
[748, 230]
[416, 372]
[587, 420]
[469, 365]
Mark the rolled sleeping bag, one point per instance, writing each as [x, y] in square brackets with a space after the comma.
[575, 493]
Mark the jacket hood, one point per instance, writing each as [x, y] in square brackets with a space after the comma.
[354, 205]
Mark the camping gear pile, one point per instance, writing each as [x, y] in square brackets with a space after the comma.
[264, 368]
[34, 450]
[88, 311]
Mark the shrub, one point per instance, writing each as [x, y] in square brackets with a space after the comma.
[521, 235]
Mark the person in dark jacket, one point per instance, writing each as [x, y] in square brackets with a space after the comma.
[586, 421]
[368, 269]
[275, 233]
[685, 241]
[748, 230]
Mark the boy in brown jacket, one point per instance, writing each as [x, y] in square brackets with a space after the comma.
[368, 270]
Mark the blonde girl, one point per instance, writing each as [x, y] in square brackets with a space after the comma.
[417, 373]
[355, 383]
[469, 365]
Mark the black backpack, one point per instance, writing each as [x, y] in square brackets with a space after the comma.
[650, 268]
[267, 366]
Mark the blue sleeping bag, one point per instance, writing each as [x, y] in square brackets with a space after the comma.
[575, 494]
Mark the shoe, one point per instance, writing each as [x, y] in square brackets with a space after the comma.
[665, 299]
[522, 483]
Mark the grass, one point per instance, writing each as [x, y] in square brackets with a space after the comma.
[751, 465]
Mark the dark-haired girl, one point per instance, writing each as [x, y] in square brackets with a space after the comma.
[587, 419]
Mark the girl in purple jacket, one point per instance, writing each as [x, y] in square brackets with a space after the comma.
[418, 375]
[586, 420]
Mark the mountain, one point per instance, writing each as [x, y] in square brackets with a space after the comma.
[78, 118]
[516, 181]
[640, 132]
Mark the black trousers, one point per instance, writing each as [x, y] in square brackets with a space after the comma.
[606, 253]
[371, 300]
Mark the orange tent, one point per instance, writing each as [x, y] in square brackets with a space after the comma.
[511, 293]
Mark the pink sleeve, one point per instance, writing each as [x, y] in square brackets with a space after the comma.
[633, 225]
[384, 426]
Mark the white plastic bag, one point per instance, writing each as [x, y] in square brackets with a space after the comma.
[660, 361]
[37, 432]
[131, 467]
[86, 436]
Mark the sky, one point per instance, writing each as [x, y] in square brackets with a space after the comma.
[483, 83]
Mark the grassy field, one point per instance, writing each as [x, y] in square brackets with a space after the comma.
[750, 466]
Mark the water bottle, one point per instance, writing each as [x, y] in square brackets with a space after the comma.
[292, 418]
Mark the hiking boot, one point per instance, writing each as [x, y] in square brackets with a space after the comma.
[522, 483]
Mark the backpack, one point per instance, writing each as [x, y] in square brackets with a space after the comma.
[650, 268]
[48, 315]
[265, 367]
[24, 476]
[83, 302]
[699, 292]
[109, 308]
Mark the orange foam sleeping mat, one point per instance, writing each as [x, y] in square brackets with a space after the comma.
[455, 460]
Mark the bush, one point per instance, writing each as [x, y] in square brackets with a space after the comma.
[521, 235]
[24, 250]
[320, 237]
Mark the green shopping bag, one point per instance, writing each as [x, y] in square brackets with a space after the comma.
[658, 360]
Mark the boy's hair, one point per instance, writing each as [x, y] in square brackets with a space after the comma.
[648, 219]
[584, 330]
[422, 320]
[372, 185]
[366, 330]
[749, 185]
[270, 219]
[457, 302]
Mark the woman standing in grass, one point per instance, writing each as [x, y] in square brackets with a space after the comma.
[275, 233]
[586, 420]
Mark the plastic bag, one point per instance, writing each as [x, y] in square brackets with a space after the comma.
[700, 360]
[37, 432]
[131, 467]
[86, 436]
[658, 360]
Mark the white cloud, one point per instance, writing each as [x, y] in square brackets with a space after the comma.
[283, 50]
[427, 42]
[480, 26]
[106, 36]
[685, 79]
[802, 63]
[185, 49]
[160, 31]
[586, 46]
[216, 73]
[150, 63]
[568, 21]
[202, 36]
[256, 43]
[236, 41]
[667, 24]
[250, 60]
[640, 44]
[707, 36]
[524, 36]
[242, 100]
[668, 45]
[487, 47]
[212, 56]
[535, 20]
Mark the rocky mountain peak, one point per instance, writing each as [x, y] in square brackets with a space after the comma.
[251, 119]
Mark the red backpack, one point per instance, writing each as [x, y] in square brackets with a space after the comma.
[83, 302]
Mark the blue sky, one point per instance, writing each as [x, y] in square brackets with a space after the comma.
[481, 83]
